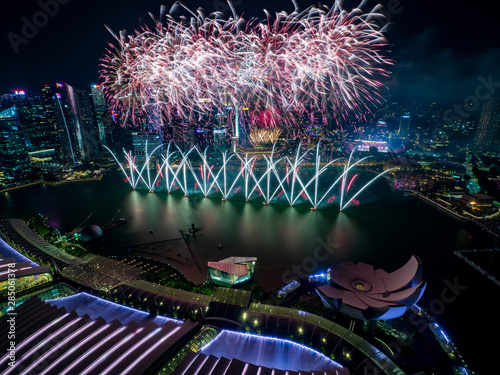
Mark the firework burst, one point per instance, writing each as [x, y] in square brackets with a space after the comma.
[320, 59]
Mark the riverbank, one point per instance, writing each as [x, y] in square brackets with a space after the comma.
[465, 216]
[42, 182]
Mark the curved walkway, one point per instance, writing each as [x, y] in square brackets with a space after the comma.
[313, 326]
[38, 242]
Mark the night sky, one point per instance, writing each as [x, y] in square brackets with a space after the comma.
[440, 48]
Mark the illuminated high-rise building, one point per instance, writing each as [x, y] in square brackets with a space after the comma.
[90, 143]
[76, 122]
[13, 145]
[56, 131]
[404, 126]
[139, 141]
[487, 138]
[41, 134]
[65, 111]
[100, 111]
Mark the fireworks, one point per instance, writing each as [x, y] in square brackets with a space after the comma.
[264, 136]
[302, 178]
[320, 59]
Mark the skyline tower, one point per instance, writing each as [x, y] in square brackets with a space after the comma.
[404, 125]
[90, 144]
[41, 134]
[139, 140]
[57, 132]
[65, 109]
[13, 144]
[75, 114]
[487, 137]
[99, 102]
[61, 124]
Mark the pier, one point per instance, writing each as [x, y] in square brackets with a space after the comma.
[474, 265]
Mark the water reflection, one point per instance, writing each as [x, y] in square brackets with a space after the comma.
[383, 233]
[385, 230]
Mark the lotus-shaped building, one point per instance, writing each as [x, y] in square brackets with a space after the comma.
[362, 292]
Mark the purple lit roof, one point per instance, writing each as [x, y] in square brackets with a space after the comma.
[231, 268]
[239, 259]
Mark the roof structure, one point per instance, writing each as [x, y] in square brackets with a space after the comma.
[21, 234]
[360, 291]
[8, 252]
[59, 340]
[101, 273]
[239, 259]
[19, 269]
[233, 265]
[199, 363]
[231, 268]
[95, 307]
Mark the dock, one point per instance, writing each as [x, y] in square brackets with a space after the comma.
[474, 265]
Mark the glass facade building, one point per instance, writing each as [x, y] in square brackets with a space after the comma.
[232, 270]
[487, 137]
[14, 145]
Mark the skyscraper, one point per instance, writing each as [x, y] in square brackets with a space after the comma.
[487, 138]
[64, 103]
[41, 134]
[404, 126]
[100, 111]
[13, 145]
[57, 132]
[74, 110]
[89, 133]
[141, 139]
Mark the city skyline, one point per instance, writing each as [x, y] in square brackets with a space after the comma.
[305, 188]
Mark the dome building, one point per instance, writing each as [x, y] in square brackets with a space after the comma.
[91, 233]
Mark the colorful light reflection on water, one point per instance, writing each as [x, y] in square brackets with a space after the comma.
[304, 178]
